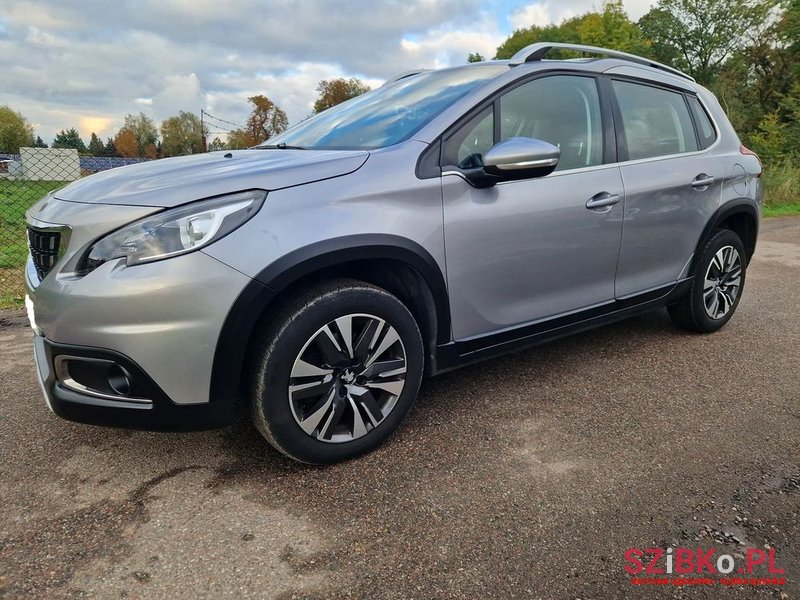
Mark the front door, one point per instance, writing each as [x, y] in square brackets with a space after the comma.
[524, 251]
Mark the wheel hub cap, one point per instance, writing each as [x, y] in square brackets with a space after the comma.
[347, 378]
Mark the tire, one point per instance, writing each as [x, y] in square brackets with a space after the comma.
[345, 397]
[717, 285]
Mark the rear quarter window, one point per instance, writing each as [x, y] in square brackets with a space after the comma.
[705, 128]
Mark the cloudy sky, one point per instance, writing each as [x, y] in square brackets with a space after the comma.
[87, 64]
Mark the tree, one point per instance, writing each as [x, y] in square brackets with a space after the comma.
[15, 131]
[95, 145]
[335, 91]
[69, 139]
[110, 149]
[126, 144]
[610, 28]
[239, 139]
[181, 134]
[265, 121]
[39, 143]
[216, 144]
[475, 57]
[700, 35]
[144, 132]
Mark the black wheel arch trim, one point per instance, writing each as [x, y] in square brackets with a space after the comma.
[230, 355]
[724, 212]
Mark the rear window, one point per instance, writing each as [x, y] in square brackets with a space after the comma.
[705, 128]
[656, 121]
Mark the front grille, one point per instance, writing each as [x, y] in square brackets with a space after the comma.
[44, 246]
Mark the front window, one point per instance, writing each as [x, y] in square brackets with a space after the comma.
[563, 110]
[388, 115]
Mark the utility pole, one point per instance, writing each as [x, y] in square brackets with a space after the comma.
[203, 147]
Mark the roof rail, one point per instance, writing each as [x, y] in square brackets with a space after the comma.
[536, 52]
[403, 75]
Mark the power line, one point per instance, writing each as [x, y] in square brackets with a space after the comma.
[210, 116]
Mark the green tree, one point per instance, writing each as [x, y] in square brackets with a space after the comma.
[239, 139]
[610, 28]
[15, 131]
[144, 132]
[700, 35]
[69, 138]
[770, 139]
[335, 91]
[110, 148]
[216, 144]
[95, 145]
[39, 142]
[475, 57]
[181, 134]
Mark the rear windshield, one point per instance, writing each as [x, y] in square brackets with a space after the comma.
[388, 115]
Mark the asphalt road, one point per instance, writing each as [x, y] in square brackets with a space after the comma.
[524, 477]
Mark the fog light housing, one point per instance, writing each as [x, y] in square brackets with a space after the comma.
[96, 377]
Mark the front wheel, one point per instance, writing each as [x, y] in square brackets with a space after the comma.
[717, 286]
[337, 371]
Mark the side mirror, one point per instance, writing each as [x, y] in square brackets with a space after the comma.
[516, 158]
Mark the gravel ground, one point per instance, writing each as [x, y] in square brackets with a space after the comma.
[524, 477]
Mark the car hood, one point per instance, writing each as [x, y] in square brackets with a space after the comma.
[174, 181]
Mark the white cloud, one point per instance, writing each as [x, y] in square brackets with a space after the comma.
[71, 64]
[533, 14]
[548, 12]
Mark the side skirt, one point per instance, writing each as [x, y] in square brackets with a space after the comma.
[458, 354]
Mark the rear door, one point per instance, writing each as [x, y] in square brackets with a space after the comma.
[672, 184]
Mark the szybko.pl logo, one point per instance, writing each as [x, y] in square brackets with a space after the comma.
[697, 566]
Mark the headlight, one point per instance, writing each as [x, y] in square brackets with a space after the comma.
[175, 231]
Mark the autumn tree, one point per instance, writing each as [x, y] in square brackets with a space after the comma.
[265, 121]
[69, 138]
[126, 144]
[700, 35]
[181, 134]
[95, 145]
[143, 130]
[335, 91]
[15, 131]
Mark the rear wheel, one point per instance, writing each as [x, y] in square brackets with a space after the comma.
[337, 372]
[716, 289]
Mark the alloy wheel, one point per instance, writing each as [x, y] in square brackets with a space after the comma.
[347, 378]
[722, 283]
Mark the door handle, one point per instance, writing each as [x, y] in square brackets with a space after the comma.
[602, 200]
[703, 181]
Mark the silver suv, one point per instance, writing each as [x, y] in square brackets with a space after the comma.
[449, 216]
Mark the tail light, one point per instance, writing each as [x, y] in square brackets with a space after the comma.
[747, 152]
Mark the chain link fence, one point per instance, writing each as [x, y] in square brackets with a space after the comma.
[24, 179]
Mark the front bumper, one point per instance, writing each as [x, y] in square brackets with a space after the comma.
[149, 407]
[164, 319]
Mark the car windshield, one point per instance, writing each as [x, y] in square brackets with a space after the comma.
[388, 115]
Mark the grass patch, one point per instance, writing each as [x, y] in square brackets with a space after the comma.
[15, 198]
[781, 189]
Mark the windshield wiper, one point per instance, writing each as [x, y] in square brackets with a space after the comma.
[282, 146]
